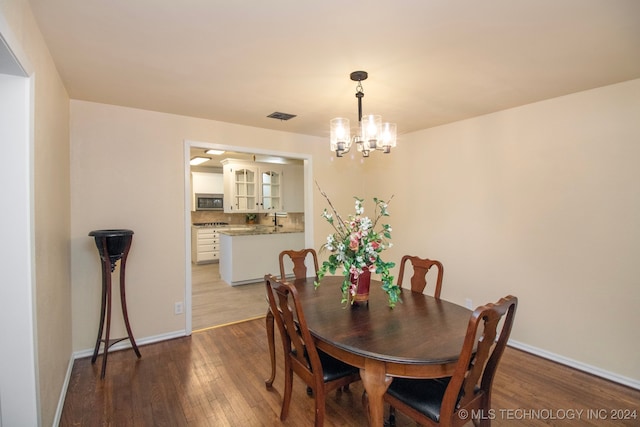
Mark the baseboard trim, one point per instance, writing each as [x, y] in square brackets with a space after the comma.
[63, 393]
[123, 345]
[626, 381]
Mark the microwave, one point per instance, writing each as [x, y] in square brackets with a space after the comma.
[209, 202]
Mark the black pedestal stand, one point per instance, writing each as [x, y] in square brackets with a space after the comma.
[112, 246]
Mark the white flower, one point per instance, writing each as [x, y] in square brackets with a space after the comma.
[330, 242]
[365, 223]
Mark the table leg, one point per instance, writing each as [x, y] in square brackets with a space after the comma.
[107, 332]
[272, 349]
[103, 309]
[123, 303]
[375, 382]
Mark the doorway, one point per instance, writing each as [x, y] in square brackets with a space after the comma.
[204, 290]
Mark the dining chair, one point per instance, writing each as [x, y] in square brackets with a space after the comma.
[318, 370]
[298, 258]
[421, 267]
[453, 401]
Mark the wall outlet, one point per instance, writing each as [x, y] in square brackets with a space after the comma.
[178, 308]
[468, 303]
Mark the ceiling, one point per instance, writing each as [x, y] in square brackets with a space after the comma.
[430, 62]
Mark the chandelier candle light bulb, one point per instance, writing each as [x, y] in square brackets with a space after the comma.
[388, 138]
[371, 124]
[340, 134]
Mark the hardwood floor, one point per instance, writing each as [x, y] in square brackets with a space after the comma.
[216, 378]
[216, 303]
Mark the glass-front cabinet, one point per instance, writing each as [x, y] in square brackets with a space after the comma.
[255, 187]
[245, 194]
[271, 181]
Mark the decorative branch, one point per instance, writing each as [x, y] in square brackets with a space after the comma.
[342, 229]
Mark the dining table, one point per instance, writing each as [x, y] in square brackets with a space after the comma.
[421, 337]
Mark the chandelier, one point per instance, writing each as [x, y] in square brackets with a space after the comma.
[371, 133]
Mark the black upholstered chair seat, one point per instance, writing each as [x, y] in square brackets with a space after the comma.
[333, 368]
[424, 396]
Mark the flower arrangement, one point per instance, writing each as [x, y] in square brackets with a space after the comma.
[356, 245]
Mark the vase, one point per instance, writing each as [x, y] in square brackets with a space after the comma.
[362, 283]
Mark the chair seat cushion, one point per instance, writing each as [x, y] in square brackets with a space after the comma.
[333, 368]
[424, 396]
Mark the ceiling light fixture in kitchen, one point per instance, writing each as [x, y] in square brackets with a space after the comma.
[371, 134]
[214, 152]
[198, 160]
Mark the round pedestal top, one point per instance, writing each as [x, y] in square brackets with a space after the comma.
[111, 233]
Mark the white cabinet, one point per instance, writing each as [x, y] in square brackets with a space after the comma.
[205, 245]
[293, 194]
[252, 187]
[240, 187]
[271, 180]
[205, 183]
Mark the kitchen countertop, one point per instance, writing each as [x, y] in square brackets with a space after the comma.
[255, 230]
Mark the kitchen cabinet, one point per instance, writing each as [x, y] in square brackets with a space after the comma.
[252, 187]
[205, 183]
[205, 245]
[293, 194]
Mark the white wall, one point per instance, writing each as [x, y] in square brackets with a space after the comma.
[541, 201]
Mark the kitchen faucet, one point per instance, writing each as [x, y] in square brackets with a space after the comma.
[275, 219]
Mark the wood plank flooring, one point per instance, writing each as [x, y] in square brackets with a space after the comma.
[216, 303]
[216, 378]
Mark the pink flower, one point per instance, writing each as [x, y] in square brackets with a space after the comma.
[353, 270]
[354, 242]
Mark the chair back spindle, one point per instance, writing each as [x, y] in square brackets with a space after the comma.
[298, 258]
[421, 267]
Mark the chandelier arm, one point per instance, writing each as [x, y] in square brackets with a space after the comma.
[342, 152]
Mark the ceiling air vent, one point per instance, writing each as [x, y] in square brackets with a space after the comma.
[281, 116]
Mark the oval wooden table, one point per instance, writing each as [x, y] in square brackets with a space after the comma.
[420, 338]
